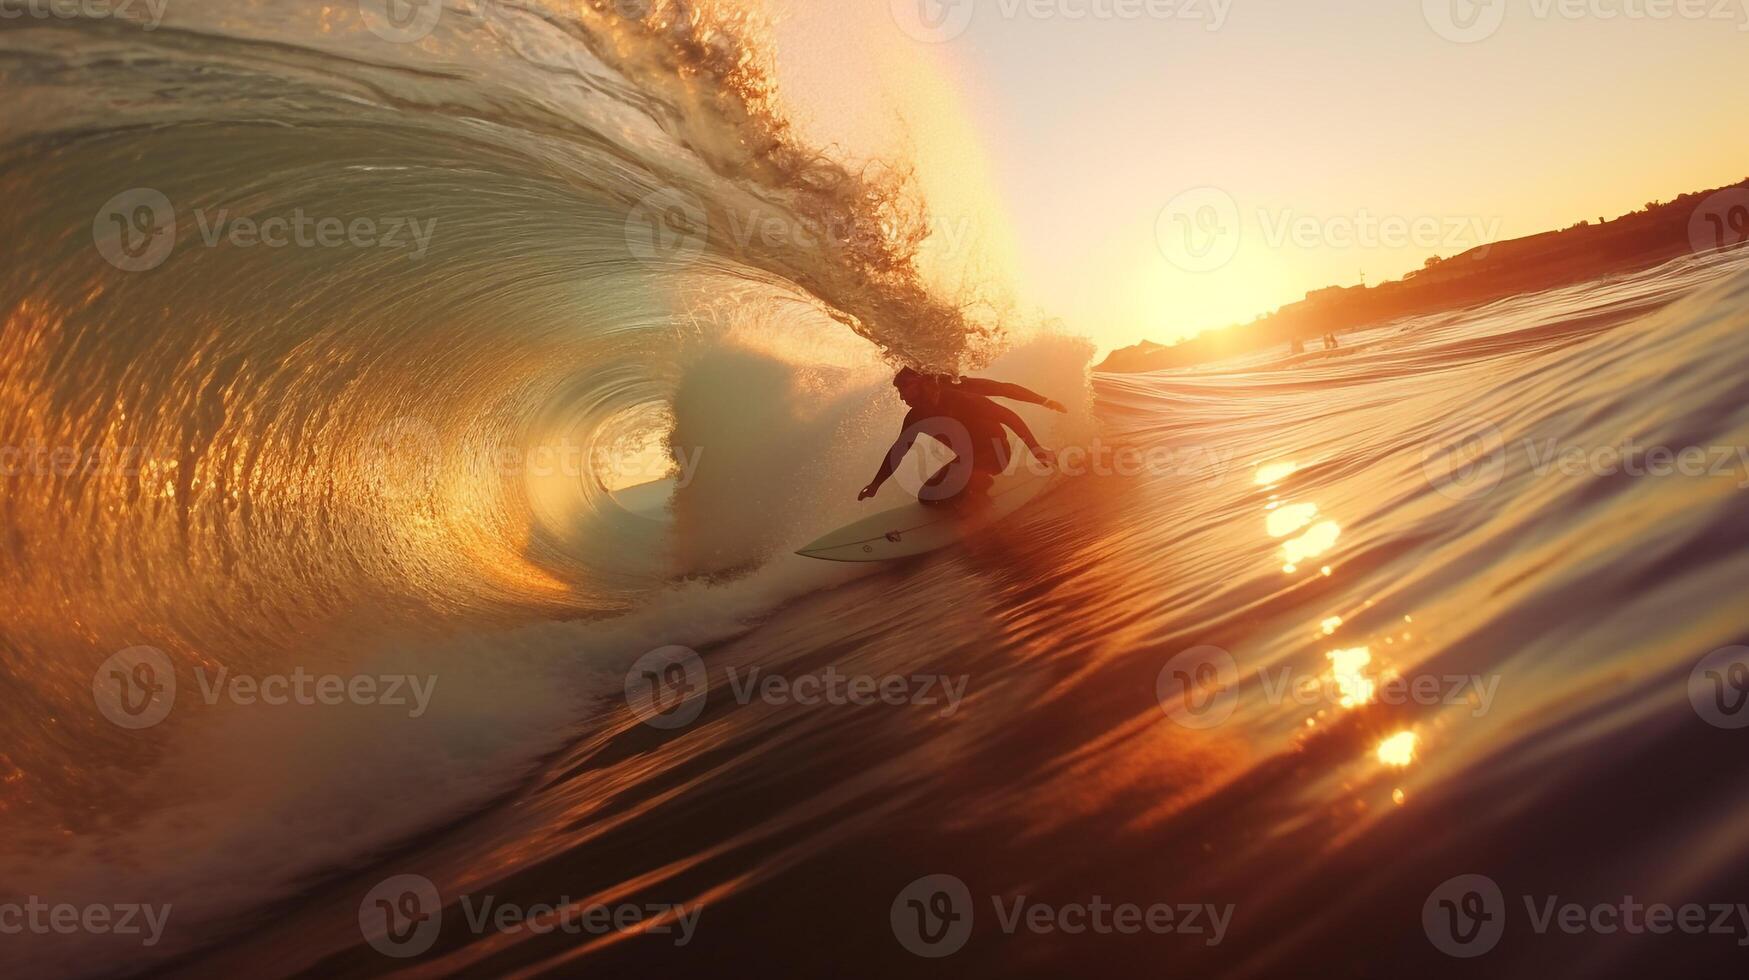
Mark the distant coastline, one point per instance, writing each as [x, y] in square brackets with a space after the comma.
[1645, 238]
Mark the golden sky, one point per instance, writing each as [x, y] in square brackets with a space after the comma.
[1152, 168]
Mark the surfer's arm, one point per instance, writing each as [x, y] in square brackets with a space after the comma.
[900, 447]
[1002, 389]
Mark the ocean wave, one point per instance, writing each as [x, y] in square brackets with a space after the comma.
[338, 339]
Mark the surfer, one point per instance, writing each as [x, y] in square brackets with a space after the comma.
[958, 412]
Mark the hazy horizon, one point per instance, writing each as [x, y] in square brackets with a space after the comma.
[1360, 138]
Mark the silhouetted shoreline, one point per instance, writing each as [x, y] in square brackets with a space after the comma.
[1640, 240]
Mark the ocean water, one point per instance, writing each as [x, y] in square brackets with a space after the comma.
[1308, 638]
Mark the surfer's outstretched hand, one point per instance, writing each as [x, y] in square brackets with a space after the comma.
[868, 492]
[1056, 406]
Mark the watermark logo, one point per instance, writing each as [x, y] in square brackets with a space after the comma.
[135, 688]
[932, 916]
[302, 688]
[1199, 688]
[1470, 21]
[122, 10]
[1721, 221]
[401, 21]
[1199, 230]
[1467, 460]
[1464, 21]
[932, 21]
[667, 688]
[668, 226]
[135, 231]
[939, 21]
[43, 918]
[1284, 227]
[942, 469]
[302, 230]
[944, 692]
[402, 916]
[771, 227]
[1718, 687]
[1465, 916]
[485, 915]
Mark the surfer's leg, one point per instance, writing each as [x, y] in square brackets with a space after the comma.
[961, 483]
[948, 484]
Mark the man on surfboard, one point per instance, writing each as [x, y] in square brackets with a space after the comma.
[958, 412]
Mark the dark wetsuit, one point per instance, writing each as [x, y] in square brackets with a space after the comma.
[971, 425]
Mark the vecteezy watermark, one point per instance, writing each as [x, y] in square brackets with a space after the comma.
[409, 21]
[1286, 227]
[1721, 221]
[405, 458]
[933, 917]
[940, 21]
[671, 226]
[1718, 687]
[300, 230]
[668, 226]
[1199, 687]
[945, 464]
[135, 230]
[1468, 459]
[1347, 685]
[1464, 21]
[943, 692]
[136, 688]
[1201, 229]
[1466, 917]
[668, 687]
[1470, 21]
[402, 917]
[1465, 460]
[302, 688]
[64, 461]
[38, 917]
[401, 21]
[951, 237]
[148, 14]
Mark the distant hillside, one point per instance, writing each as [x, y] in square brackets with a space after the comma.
[1640, 240]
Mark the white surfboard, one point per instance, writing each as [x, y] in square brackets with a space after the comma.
[916, 529]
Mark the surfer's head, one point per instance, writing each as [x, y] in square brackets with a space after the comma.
[919, 389]
[915, 387]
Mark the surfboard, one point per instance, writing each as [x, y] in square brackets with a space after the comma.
[916, 529]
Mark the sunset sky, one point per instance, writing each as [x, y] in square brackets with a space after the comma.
[1059, 142]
